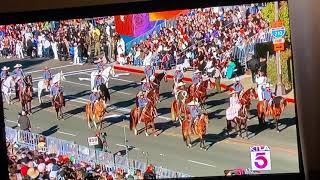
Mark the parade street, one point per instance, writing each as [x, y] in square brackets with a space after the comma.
[167, 149]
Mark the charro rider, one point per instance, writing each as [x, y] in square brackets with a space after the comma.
[94, 96]
[194, 108]
[180, 88]
[100, 65]
[267, 96]
[4, 73]
[142, 102]
[18, 72]
[55, 90]
[47, 76]
[149, 71]
[98, 80]
[237, 86]
[178, 76]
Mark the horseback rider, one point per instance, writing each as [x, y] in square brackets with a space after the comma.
[267, 96]
[18, 72]
[196, 78]
[100, 65]
[55, 90]
[261, 80]
[149, 71]
[178, 76]
[142, 102]
[237, 86]
[146, 86]
[180, 88]
[4, 73]
[194, 108]
[98, 80]
[47, 76]
[94, 96]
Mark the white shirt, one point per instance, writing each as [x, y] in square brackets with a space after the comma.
[46, 44]
[261, 80]
[147, 59]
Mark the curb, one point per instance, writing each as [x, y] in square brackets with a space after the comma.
[186, 79]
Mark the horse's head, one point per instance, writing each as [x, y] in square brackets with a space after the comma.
[205, 117]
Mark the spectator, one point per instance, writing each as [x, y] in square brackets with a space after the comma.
[24, 122]
[99, 146]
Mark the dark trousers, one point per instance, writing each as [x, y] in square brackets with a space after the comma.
[218, 85]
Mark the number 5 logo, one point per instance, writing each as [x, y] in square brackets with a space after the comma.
[260, 161]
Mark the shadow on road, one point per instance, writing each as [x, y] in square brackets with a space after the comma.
[50, 131]
[211, 139]
[215, 114]
[26, 63]
[213, 103]
[123, 87]
[287, 122]
[73, 112]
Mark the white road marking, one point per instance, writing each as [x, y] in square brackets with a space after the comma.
[196, 162]
[58, 67]
[124, 80]
[15, 122]
[80, 84]
[70, 73]
[70, 134]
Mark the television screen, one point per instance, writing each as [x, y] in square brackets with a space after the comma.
[179, 93]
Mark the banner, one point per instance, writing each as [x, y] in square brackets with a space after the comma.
[141, 24]
[92, 141]
[154, 16]
[124, 25]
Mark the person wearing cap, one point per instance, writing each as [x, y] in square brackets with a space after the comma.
[4, 73]
[18, 71]
[94, 96]
[267, 96]
[146, 86]
[24, 122]
[142, 102]
[237, 86]
[98, 80]
[194, 109]
[47, 76]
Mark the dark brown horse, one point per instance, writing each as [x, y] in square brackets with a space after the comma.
[147, 116]
[157, 80]
[59, 102]
[247, 97]
[26, 94]
[275, 110]
[240, 122]
[200, 92]
[199, 128]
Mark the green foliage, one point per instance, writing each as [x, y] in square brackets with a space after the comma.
[268, 13]
[285, 69]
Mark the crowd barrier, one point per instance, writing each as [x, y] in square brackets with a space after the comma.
[94, 157]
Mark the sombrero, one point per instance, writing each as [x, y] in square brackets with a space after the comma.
[33, 173]
[197, 71]
[181, 84]
[152, 78]
[237, 79]
[232, 92]
[144, 80]
[17, 66]
[5, 68]
[193, 103]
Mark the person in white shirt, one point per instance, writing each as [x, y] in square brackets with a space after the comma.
[54, 45]
[261, 81]
[46, 48]
[210, 67]
[76, 55]
[19, 52]
[147, 59]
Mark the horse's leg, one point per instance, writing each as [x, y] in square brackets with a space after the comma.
[57, 113]
[154, 129]
[189, 140]
[95, 124]
[277, 125]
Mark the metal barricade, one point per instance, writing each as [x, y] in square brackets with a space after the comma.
[121, 162]
[11, 135]
[106, 159]
[27, 139]
[53, 145]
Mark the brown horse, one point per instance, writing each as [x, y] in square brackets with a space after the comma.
[199, 92]
[59, 102]
[26, 94]
[247, 96]
[199, 128]
[157, 80]
[240, 121]
[147, 116]
[97, 114]
[275, 110]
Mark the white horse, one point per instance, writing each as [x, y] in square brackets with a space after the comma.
[105, 76]
[8, 86]
[41, 85]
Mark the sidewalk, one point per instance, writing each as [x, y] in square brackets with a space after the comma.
[225, 83]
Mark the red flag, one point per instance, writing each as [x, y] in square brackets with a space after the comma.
[124, 25]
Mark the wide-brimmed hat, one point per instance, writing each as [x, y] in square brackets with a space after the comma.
[178, 68]
[94, 90]
[181, 84]
[267, 85]
[237, 79]
[18, 66]
[5, 68]
[193, 103]
[33, 173]
[197, 71]
[144, 80]
[232, 92]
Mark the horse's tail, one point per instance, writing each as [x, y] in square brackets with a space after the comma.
[184, 133]
[132, 118]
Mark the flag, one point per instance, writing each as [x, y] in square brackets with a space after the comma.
[124, 25]
[141, 24]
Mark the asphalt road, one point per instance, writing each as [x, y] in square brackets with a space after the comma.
[168, 149]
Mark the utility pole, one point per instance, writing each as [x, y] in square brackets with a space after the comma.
[279, 87]
[127, 151]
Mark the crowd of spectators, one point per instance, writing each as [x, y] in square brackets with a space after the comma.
[69, 39]
[36, 164]
[199, 37]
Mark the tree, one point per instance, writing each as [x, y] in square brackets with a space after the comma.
[268, 14]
